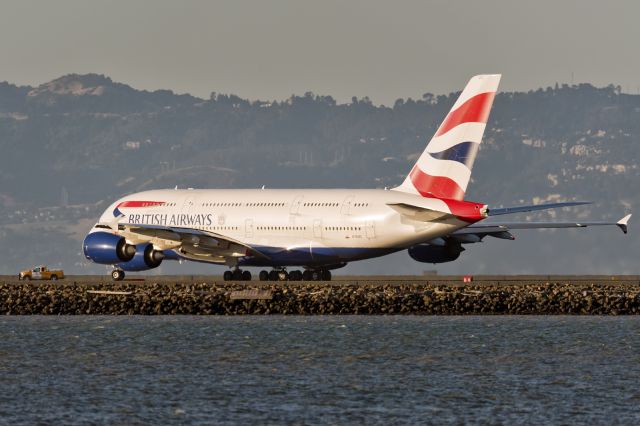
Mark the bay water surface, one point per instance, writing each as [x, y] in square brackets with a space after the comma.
[319, 370]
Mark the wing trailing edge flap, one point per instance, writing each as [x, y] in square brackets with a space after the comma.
[196, 244]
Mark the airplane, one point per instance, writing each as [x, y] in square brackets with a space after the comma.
[320, 230]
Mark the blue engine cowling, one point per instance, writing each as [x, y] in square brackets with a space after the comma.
[107, 249]
[145, 258]
[427, 253]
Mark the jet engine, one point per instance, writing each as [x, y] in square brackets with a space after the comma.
[146, 257]
[108, 249]
[427, 253]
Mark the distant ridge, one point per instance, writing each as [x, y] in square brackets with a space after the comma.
[93, 139]
[77, 85]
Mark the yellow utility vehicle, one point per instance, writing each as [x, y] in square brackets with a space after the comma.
[41, 273]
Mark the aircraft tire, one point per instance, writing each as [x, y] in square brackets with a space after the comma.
[246, 276]
[325, 275]
[237, 275]
[227, 276]
[307, 276]
[116, 274]
[263, 276]
[273, 275]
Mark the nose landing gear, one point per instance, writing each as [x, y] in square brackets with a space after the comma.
[117, 274]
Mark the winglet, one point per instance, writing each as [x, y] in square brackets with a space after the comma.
[622, 223]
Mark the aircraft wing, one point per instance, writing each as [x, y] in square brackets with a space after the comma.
[531, 208]
[193, 244]
[501, 230]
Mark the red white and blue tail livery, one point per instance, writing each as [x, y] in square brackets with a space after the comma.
[444, 168]
[318, 230]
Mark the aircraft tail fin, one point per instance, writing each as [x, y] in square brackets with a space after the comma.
[444, 168]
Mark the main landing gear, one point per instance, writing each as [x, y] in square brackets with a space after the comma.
[307, 275]
[237, 275]
[117, 274]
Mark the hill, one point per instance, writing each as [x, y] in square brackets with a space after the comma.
[74, 144]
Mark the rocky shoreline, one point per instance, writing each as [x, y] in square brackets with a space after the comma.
[337, 298]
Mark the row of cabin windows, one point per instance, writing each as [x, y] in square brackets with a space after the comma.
[223, 228]
[243, 204]
[264, 204]
[304, 228]
[222, 204]
[343, 228]
[282, 228]
[333, 204]
[321, 204]
[259, 204]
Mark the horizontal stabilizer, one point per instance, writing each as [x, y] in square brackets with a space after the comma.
[530, 208]
[485, 228]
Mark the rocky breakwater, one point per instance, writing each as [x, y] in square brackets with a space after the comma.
[419, 298]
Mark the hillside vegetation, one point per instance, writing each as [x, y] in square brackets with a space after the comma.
[74, 144]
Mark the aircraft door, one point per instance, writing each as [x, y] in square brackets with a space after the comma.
[346, 205]
[188, 204]
[370, 229]
[317, 228]
[248, 228]
[295, 205]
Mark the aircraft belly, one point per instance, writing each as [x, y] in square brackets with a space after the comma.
[390, 237]
[315, 256]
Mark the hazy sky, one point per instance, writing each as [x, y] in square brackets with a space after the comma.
[271, 49]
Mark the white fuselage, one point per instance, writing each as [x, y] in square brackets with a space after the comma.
[281, 220]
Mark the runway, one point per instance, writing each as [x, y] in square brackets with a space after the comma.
[436, 295]
[355, 279]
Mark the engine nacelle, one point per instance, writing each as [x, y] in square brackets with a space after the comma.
[427, 253]
[145, 258]
[106, 248]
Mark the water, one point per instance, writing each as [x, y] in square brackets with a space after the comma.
[319, 370]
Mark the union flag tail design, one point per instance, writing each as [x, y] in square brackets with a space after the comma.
[444, 168]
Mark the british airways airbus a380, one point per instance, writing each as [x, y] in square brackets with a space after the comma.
[319, 229]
